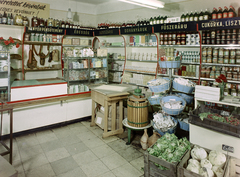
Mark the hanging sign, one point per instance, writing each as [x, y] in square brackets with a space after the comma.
[136, 30]
[105, 32]
[79, 32]
[180, 26]
[25, 8]
[48, 30]
[224, 23]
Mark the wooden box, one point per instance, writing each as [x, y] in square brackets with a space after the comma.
[214, 125]
[205, 92]
[151, 170]
[233, 168]
[183, 172]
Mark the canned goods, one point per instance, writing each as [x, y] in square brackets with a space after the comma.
[215, 60]
[209, 51]
[209, 59]
[232, 61]
[229, 75]
[215, 52]
[220, 60]
[204, 59]
[212, 74]
[32, 37]
[226, 53]
[218, 41]
[226, 60]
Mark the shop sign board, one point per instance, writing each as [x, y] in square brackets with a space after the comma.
[106, 32]
[49, 30]
[79, 32]
[25, 8]
[224, 23]
[174, 27]
[136, 30]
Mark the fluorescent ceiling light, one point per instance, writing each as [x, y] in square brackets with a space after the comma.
[153, 4]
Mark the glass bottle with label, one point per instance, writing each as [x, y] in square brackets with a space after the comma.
[195, 17]
[4, 18]
[25, 21]
[34, 21]
[206, 15]
[220, 13]
[214, 13]
[0, 18]
[191, 16]
[225, 12]
[187, 17]
[183, 18]
[151, 21]
[9, 19]
[231, 12]
[162, 20]
[200, 16]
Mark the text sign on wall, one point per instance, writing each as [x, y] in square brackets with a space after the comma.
[181, 26]
[79, 32]
[104, 32]
[136, 30]
[25, 8]
[224, 23]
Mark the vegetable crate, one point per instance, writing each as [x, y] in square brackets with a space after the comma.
[211, 124]
[183, 172]
[233, 168]
[151, 170]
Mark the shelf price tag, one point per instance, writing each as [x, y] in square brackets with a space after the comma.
[227, 148]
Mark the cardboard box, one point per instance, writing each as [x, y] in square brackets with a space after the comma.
[84, 42]
[75, 41]
[102, 52]
[99, 120]
[67, 41]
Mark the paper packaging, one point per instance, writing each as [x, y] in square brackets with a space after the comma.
[67, 41]
[99, 120]
[75, 41]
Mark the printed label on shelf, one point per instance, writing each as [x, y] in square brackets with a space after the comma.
[227, 148]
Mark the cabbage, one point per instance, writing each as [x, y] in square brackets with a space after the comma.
[194, 161]
[217, 158]
[193, 167]
[198, 153]
[206, 163]
[206, 172]
[218, 171]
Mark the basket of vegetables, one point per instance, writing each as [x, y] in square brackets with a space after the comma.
[162, 158]
[159, 85]
[187, 98]
[172, 104]
[183, 85]
[170, 62]
[164, 124]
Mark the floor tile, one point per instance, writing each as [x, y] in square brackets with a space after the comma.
[28, 152]
[85, 158]
[109, 139]
[72, 139]
[64, 165]
[86, 123]
[75, 125]
[118, 145]
[93, 142]
[18, 165]
[15, 156]
[138, 163]
[113, 161]
[21, 174]
[14, 143]
[76, 148]
[98, 132]
[62, 132]
[77, 172]
[78, 130]
[27, 141]
[44, 170]
[57, 154]
[84, 136]
[103, 151]
[126, 170]
[95, 168]
[130, 153]
[46, 136]
[108, 174]
[36, 161]
[51, 145]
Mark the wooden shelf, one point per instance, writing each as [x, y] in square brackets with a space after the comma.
[47, 69]
[148, 61]
[42, 43]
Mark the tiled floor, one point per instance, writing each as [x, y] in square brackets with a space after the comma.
[75, 150]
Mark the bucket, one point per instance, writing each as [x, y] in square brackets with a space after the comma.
[137, 112]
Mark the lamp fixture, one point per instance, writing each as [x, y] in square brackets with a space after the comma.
[153, 4]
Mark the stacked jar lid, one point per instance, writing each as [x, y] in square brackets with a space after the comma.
[192, 39]
[168, 38]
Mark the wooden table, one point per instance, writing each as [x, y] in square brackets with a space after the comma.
[109, 95]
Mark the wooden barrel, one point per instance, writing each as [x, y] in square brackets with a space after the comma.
[137, 112]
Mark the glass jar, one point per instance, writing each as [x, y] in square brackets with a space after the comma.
[203, 72]
[226, 60]
[50, 22]
[25, 21]
[225, 52]
[209, 51]
[63, 25]
[232, 60]
[235, 76]
[220, 52]
[229, 75]
[215, 60]
[217, 74]
[208, 70]
[209, 59]
[215, 52]
[67, 24]
[233, 92]
[41, 22]
[32, 38]
[232, 53]
[35, 22]
[212, 74]
[204, 59]
[204, 52]
[223, 73]
[18, 20]
[225, 92]
[220, 60]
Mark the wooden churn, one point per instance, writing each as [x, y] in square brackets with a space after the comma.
[137, 112]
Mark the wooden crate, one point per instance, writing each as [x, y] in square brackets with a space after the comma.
[214, 125]
[233, 168]
[183, 172]
[150, 169]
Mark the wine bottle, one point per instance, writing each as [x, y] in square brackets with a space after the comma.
[158, 19]
[200, 16]
[0, 18]
[231, 12]
[206, 15]
[161, 20]
[4, 18]
[214, 13]
[191, 16]
[187, 17]
[196, 16]
[165, 19]
[183, 18]
[155, 20]
[220, 13]
[225, 12]
[9, 19]
[151, 21]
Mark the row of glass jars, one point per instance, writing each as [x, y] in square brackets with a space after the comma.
[220, 52]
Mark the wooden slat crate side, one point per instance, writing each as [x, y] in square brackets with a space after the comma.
[233, 168]
[171, 166]
[155, 171]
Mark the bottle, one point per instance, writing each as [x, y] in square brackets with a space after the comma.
[151, 21]
[200, 18]
[231, 12]
[206, 15]
[4, 18]
[225, 12]
[195, 17]
[187, 17]
[161, 20]
[0, 18]
[191, 16]
[155, 20]
[214, 13]
[152, 139]
[183, 18]
[144, 140]
[220, 13]
[165, 19]
[9, 19]
[158, 19]
[239, 12]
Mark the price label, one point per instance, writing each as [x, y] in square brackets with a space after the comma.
[227, 148]
[99, 120]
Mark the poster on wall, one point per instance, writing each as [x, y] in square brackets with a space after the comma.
[25, 8]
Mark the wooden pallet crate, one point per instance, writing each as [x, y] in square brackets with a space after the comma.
[233, 168]
[183, 172]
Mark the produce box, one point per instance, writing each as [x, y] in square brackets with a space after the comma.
[211, 124]
[150, 161]
[233, 168]
[183, 172]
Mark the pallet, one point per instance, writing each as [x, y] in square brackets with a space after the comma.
[233, 168]
[183, 172]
